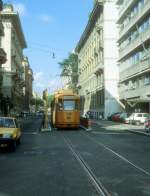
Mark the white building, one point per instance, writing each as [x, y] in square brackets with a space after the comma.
[13, 43]
[98, 55]
[134, 54]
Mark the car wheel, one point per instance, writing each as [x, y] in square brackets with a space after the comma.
[18, 141]
[147, 130]
[14, 145]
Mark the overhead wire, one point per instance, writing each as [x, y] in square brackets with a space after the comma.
[54, 52]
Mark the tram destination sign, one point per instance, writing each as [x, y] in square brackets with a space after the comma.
[69, 97]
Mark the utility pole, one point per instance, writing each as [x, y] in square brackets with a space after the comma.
[46, 125]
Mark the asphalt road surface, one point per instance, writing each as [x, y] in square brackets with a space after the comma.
[76, 163]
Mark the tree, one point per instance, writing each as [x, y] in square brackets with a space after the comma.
[69, 67]
[50, 97]
[37, 102]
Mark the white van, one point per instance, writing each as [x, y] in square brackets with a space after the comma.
[136, 118]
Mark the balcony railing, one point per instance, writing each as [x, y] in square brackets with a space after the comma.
[135, 19]
[143, 37]
[141, 92]
[125, 7]
[135, 70]
[98, 69]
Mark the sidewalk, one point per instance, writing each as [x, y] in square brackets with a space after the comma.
[110, 125]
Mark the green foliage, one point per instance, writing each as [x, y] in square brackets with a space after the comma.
[50, 97]
[69, 67]
[36, 101]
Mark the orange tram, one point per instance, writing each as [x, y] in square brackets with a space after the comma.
[65, 111]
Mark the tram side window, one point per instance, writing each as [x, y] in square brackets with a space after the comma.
[77, 105]
[60, 105]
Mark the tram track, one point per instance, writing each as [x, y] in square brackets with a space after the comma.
[100, 189]
[107, 169]
[124, 159]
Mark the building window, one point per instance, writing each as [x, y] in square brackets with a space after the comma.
[137, 83]
[147, 80]
[126, 86]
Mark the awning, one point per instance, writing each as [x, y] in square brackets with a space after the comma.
[133, 101]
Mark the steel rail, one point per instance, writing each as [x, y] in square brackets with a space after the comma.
[95, 181]
[119, 156]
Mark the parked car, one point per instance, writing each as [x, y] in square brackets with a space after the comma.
[10, 132]
[115, 117]
[147, 125]
[124, 116]
[136, 118]
[111, 116]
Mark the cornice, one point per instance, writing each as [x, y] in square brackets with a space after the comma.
[17, 25]
[98, 8]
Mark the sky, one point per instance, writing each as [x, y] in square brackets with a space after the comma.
[51, 26]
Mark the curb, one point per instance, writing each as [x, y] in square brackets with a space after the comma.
[133, 131]
[138, 132]
[86, 129]
[46, 130]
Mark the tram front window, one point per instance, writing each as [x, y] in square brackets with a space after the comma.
[69, 105]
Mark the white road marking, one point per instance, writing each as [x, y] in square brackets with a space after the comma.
[30, 133]
[120, 156]
[109, 133]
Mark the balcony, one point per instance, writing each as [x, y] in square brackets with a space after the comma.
[98, 69]
[141, 92]
[79, 86]
[143, 37]
[17, 78]
[124, 8]
[2, 56]
[135, 70]
[135, 19]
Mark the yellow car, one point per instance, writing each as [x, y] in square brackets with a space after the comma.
[10, 132]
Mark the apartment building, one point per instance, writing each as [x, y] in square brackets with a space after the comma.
[28, 87]
[97, 56]
[134, 54]
[2, 52]
[2, 60]
[90, 64]
[13, 43]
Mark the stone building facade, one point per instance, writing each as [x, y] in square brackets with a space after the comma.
[97, 56]
[13, 43]
[28, 88]
[2, 61]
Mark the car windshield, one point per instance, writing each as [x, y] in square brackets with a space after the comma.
[9, 123]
